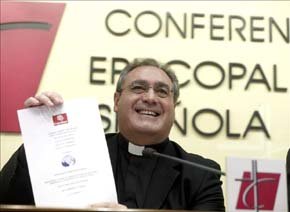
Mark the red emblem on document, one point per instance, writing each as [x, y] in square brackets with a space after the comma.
[60, 119]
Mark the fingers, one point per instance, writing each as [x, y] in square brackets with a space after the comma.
[108, 205]
[31, 102]
[47, 98]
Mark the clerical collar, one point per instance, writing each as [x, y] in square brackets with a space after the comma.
[136, 149]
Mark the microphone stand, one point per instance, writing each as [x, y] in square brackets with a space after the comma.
[149, 152]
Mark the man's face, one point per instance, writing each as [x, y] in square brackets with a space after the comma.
[145, 112]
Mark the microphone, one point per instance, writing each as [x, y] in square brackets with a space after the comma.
[149, 152]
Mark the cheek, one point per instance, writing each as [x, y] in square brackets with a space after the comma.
[170, 109]
[172, 116]
[171, 113]
[124, 105]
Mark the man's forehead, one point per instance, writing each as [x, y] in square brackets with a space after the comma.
[145, 82]
[150, 74]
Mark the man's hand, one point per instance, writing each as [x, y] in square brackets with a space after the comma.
[110, 205]
[47, 98]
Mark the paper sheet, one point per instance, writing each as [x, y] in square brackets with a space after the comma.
[67, 154]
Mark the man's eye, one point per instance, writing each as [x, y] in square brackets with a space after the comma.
[163, 92]
[138, 89]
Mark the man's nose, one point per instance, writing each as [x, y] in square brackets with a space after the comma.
[150, 95]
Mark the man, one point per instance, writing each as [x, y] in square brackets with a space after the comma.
[144, 101]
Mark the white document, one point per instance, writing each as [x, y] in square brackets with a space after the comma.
[67, 154]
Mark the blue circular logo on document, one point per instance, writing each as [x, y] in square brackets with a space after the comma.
[68, 160]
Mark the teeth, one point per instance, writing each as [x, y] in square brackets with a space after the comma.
[147, 112]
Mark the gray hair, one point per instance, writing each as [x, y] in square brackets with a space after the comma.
[149, 62]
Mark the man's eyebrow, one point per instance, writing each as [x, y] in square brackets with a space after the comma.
[139, 81]
[162, 84]
[159, 83]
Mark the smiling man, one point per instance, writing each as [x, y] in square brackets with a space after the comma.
[145, 99]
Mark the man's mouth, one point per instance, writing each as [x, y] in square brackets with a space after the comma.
[147, 112]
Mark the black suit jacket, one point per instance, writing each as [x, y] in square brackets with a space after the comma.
[173, 186]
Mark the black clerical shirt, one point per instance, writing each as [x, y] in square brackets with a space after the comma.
[134, 174]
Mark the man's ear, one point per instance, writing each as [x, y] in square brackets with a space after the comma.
[116, 101]
[177, 103]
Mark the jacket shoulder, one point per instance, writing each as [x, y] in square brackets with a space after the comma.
[15, 181]
[195, 157]
[110, 137]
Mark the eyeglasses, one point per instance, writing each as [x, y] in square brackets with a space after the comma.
[140, 87]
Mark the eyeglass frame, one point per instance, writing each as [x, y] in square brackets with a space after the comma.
[157, 88]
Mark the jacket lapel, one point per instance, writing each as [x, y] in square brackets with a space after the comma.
[112, 143]
[162, 181]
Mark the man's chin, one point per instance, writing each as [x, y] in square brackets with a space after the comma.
[145, 129]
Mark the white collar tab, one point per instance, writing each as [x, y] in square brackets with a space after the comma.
[135, 149]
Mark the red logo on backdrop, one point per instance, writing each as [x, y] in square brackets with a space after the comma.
[60, 119]
[258, 190]
[27, 33]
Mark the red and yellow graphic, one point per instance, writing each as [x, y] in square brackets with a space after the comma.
[27, 34]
